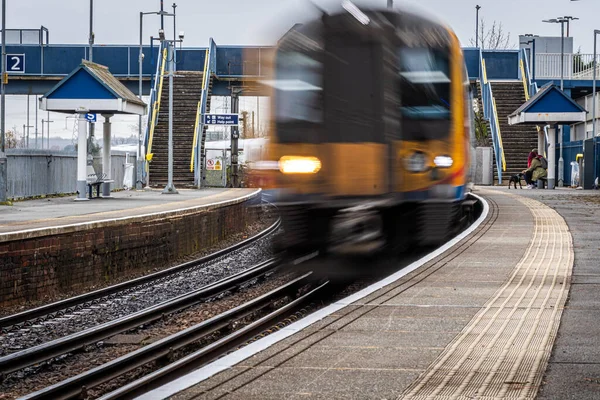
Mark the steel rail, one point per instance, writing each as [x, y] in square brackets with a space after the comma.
[73, 387]
[208, 353]
[72, 302]
[37, 354]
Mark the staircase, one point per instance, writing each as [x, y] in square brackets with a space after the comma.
[518, 140]
[187, 88]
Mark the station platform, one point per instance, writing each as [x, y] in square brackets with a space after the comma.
[57, 247]
[63, 212]
[477, 319]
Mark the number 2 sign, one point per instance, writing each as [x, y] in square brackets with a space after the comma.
[15, 63]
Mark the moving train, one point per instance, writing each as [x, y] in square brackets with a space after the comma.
[372, 133]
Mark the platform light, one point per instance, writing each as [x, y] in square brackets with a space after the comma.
[299, 165]
[355, 12]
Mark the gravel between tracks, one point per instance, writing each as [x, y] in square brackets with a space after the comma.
[139, 299]
[32, 379]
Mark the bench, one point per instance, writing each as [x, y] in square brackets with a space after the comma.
[96, 180]
[541, 182]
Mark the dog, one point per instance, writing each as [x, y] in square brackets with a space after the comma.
[516, 178]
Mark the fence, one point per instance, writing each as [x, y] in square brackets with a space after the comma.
[575, 66]
[38, 172]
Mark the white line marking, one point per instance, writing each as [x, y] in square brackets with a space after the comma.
[238, 356]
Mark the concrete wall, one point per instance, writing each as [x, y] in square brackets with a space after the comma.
[547, 44]
[41, 172]
[484, 168]
[34, 265]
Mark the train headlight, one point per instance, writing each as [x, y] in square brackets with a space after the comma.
[443, 161]
[299, 165]
[417, 162]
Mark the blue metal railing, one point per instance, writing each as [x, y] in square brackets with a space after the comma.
[210, 69]
[153, 93]
[491, 115]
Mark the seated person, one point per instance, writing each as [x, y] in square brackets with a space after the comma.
[535, 170]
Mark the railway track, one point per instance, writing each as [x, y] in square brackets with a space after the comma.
[63, 307]
[46, 351]
[228, 328]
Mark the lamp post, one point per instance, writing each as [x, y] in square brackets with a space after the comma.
[91, 37]
[595, 66]
[140, 159]
[390, 4]
[477, 8]
[561, 21]
[531, 54]
[170, 188]
[3, 159]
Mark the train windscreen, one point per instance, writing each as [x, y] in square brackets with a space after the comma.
[298, 97]
[425, 93]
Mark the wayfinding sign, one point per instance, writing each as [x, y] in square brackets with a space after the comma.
[222, 119]
[15, 63]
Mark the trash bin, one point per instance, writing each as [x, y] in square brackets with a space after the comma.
[574, 174]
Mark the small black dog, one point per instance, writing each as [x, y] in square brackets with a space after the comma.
[516, 178]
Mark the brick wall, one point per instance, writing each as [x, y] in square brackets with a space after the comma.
[75, 259]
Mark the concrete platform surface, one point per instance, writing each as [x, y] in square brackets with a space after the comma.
[477, 321]
[574, 367]
[57, 212]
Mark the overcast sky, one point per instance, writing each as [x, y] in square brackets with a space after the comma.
[261, 21]
[258, 22]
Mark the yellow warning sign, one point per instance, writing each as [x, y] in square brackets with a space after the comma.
[218, 165]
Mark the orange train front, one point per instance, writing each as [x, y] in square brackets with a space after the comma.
[371, 133]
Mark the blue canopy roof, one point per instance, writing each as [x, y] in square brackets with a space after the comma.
[94, 87]
[549, 104]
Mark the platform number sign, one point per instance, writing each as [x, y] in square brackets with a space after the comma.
[15, 63]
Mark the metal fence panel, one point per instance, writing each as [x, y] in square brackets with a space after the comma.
[38, 172]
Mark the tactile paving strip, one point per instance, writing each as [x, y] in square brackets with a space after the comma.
[503, 352]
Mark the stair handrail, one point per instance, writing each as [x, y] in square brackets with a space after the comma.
[152, 99]
[199, 111]
[211, 67]
[524, 80]
[156, 104]
[490, 113]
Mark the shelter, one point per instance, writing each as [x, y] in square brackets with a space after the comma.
[91, 89]
[549, 106]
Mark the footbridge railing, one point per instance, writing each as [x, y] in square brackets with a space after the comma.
[154, 105]
[490, 113]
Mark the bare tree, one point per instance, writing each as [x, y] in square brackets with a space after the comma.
[494, 38]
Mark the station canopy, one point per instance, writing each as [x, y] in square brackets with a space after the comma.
[549, 105]
[92, 87]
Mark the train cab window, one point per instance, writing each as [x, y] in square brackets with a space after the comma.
[298, 96]
[425, 93]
